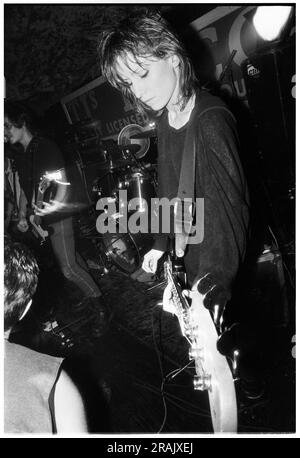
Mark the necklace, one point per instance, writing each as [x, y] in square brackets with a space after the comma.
[178, 119]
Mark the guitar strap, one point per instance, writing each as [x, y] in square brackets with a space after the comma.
[185, 209]
[186, 186]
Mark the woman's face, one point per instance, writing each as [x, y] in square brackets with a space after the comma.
[12, 133]
[153, 81]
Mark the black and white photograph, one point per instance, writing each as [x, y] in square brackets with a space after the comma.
[149, 222]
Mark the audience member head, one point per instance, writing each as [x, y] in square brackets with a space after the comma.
[20, 281]
[18, 116]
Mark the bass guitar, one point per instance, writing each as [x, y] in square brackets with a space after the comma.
[213, 373]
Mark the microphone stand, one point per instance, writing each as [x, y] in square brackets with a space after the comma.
[110, 172]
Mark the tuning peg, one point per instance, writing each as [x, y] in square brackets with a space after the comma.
[196, 353]
[202, 382]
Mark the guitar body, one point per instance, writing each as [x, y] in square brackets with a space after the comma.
[35, 220]
[213, 373]
[37, 229]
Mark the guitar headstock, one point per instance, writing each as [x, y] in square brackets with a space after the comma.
[199, 350]
[213, 373]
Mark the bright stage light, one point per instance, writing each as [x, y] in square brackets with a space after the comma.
[269, 21]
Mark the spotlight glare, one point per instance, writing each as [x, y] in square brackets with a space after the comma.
[269, 21]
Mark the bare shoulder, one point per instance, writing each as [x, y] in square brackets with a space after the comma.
[69, 407]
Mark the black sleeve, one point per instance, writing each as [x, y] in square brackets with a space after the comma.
[220, 181]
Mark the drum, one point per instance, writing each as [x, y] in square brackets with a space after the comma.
[126, 250]
[139, 186]
[105, 185]
[124, 138]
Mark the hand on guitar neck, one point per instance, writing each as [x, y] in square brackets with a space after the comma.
[23, 224]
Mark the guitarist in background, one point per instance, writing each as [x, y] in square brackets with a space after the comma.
[11, 192]
[42, 155]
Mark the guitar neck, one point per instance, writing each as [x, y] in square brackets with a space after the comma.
[39, 204]
[181, 301]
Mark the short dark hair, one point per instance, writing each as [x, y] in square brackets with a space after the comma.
[20, 280]
[19, 114]
[143, 34]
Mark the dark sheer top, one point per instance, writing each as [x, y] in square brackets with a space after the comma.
[219, 180]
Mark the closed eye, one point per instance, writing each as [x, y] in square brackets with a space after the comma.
[144, 75]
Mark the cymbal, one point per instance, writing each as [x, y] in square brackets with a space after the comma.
[124, 138]
[92, 123]
[111, 165]
[122, 148]
[114, 165]
[145, 134]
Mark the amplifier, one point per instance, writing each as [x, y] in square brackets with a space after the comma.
[270, 282]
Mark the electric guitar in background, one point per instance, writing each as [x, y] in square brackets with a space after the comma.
[35, 221]
[213, 373]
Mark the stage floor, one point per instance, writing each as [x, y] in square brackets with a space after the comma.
[121, 372]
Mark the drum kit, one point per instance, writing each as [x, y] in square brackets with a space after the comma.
[126, 169]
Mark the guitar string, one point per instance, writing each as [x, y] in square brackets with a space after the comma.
[161, 370]
[165, 378]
